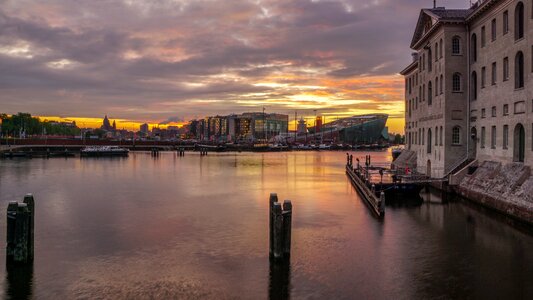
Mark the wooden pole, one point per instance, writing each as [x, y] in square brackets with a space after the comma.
[30, 201]
[287, 228]
[21, 234]
[273, 199]
[11, 227]
[277, 245]
[382, 203]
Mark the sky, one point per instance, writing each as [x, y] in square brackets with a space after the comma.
[169, 61]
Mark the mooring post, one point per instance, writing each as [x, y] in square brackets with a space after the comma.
[11, 226]
[382, 203]
[287, 227]
[21, 233]
[277, 235]
[273, 199]
[30, 201]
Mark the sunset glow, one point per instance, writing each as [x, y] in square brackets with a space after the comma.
[156, 62]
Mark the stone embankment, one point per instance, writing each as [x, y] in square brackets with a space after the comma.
[507, 188]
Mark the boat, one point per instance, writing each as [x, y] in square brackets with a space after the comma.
[277, 147]
[104, 151]
[324, 147]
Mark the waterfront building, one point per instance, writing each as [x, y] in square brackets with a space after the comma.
[144, 128]
[302, 127]
[469, 89]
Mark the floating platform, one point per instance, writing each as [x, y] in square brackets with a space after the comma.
[376, 204]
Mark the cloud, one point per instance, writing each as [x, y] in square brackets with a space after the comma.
[153, 60]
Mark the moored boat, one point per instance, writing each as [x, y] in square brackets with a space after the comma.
[104, 151]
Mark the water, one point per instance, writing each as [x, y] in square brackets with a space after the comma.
[197, 227]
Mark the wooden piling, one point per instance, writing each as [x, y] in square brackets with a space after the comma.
[11, 227]
[382, 203]
[287, 227]
[277, 234]
[20, 226]
[273, 199]
[20, 254]
[30, 201]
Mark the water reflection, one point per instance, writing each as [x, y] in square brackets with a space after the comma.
[197, 227]
[279, 281]
[19, 280]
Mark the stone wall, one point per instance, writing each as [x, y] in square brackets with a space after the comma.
[507, 188]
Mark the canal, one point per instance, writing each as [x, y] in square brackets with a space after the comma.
[197, 227]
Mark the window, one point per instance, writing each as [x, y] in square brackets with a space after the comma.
[436, 52]
[493, 30]
[519, 70]
[423, 92]
[456, 45]
[494, 111]
[505, 109]
[441, 84]
[420, 93]
[430, 93]
[483, 113]
[505, 136]
[456, 82]
[430, 63]
[409, 85]
[440, 136]
[473, 88]
[505, 22]
[482, 137]
[429, 141]
[506, 69]
[440, 49]
[483, 76]
[436, 136]
[493, 137]
[482, 36]
[456, 135]
[493, 77]
[473, 48]
[436, 86]
[519, 21]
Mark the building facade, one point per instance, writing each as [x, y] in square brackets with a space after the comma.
[469, 89]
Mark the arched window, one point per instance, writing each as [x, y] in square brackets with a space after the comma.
[440, 49]
[430, 66]
[441, 84]
[456, 45]
[436, 52]
[436, 136]
[423, 92]
[440, 136]
[473, 85]
[456, 135]
[436, 86]
[473, 48]
[456, 82]
[519, 21]
[519, 70]
[430, 93]
[429, 141]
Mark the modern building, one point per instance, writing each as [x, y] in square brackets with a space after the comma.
[144, 128]
[469, 89]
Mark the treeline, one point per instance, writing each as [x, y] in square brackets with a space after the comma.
[23, 124]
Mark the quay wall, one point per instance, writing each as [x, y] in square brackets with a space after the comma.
[507, 188]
